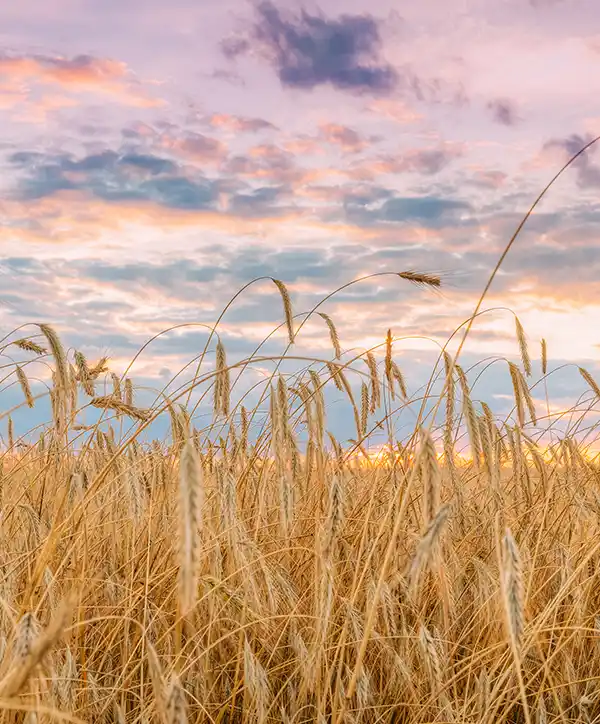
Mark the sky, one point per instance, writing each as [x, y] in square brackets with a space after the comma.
[156, 157]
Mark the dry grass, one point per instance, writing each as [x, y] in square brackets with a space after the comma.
[277, 576]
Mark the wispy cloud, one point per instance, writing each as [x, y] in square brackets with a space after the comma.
[588, 173]
[427, 161]
[238, 124]
[195, 147]
[503, 111]
[346, 138]
[78, 73]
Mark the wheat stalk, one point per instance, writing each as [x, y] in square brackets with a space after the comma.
[84, 376]
[430, 475]
[450, 394]
[389, 375]
[421, 279]
[364, 408]
[116, 383]
[10, 433]
[256, 682]
[128, 396]
[108, 402]
[334, 373]
[28, 630]
[28, 345]
[222, 383]
[158, 682]
[58, 353]
[512, 590]
[333, 334]
[375, 395]
[176, 707]
[590, 380]
[399, 377]
[32, 653]
[544, 357]
[100, 367]
[470, 416]
[425, 547]
[522, 340]
[190, 501]
[24, 382]
[319, 405]
[518, 392]
[287, 308]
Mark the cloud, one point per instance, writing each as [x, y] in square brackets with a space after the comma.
[113, 177]
[266, 162]
[427, 211]
[346, 138]
[171, 275]
[588, 174]
[233, 47]
[304, 145]
[394, 110]
[186, 144]
[195, 146]
[79, 73]
[487, 178]
[544, 3]
[503, 112]
[81, 70]
[257, 202]
[329, 135]
[228, 76]
[238, 124]
[307, 50]
[427, 161]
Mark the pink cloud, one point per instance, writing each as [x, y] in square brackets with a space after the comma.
[269, 162]
[426, 161]
[304, 145]
[80, 73]
[344, 137]
[196, 147]
[487, 178]
[238, 124]
[394, 110]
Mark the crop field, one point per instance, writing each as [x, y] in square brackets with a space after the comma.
[253, 568]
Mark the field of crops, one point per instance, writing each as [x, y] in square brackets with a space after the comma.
[256, 569]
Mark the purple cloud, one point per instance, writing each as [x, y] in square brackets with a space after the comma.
[308, 50]
[503, 111]
[588, 174]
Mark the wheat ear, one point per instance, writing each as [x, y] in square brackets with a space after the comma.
[523, 349]
[190, 501]
[176, 709]
[590, 380]
[333, 334]
[512, 590]
[544, 357]
[28, 346]
[287, 308]
[24, 382]
[421, 279]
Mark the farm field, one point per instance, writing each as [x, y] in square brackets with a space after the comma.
[257, 569]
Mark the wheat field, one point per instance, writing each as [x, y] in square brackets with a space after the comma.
[255, 569]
